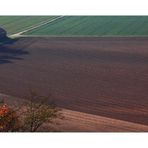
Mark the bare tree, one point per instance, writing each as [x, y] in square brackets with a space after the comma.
[29, 117]
[38, 111]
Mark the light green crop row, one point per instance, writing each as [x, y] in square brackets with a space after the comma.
[15, 24]
[95, 26]
[78, 25]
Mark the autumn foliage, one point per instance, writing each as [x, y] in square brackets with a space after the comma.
[29, 117]
[8, 119]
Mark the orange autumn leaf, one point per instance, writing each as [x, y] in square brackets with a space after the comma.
[7, 118]
[4, 110]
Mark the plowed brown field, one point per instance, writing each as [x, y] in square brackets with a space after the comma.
[100, 76]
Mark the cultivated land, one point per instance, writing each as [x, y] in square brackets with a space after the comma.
[15, 24]
[101, 82]
[80, 121]
[101, 76]
[95, 26]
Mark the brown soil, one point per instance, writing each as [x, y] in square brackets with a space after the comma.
[101, 76]
[74, 121]
[77, 121]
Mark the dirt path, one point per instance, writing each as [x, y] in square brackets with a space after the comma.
[79, 121]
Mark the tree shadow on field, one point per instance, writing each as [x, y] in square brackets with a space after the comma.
[8, 52]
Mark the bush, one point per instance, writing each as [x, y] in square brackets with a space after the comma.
[30, 117]
[8, 119]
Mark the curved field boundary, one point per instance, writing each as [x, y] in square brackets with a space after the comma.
[80, 121]
[36, 26]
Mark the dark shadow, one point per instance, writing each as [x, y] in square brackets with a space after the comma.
[7, 52]
[4, 39]
[7, 40]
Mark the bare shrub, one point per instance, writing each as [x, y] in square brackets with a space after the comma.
[36, 111]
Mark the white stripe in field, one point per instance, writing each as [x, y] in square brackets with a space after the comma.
[36, 26]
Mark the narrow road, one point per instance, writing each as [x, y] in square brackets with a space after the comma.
[36, 26]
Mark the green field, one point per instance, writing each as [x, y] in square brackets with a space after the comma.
[15, 24]
[77, 25]
[95, 26]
